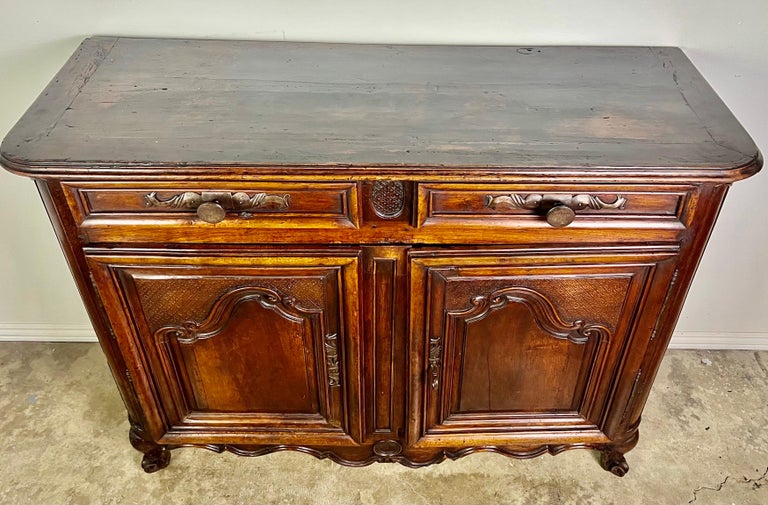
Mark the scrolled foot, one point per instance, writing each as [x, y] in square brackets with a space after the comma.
[156, 457]
[156, 460]
[614, 462]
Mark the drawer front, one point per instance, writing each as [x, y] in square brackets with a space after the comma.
[241, 347]
[514, 346]
[527, 206]
[224, 204]
[352, 213]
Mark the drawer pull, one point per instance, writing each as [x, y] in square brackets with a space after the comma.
[211, 212]
[560, 208]
[212, 206]
[560, 216]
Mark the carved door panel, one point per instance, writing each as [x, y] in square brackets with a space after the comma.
[252, 348]
[520, 347]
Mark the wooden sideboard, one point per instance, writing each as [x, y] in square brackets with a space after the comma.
[381, 253]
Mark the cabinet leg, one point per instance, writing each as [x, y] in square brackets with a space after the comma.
[612, 456]
[156, 457]
[614, 462]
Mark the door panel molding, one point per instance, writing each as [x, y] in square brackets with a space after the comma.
[314, 325]
[455, 299]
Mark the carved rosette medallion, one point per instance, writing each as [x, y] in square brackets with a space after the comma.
[387, 448]
[388, 199]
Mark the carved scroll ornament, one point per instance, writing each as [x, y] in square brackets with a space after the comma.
[221, 313]
[543, 201]
[190, 332]
[230, 201]
[212, 206]
[542, 310]
[544, 314]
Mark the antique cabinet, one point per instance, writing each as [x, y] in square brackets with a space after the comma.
[381, 253]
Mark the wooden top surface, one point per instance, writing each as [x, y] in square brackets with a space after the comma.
[181, 105]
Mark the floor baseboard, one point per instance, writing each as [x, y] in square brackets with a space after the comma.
[31, 332]
[752, 341]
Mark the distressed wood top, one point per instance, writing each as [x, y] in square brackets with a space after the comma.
[183, 105]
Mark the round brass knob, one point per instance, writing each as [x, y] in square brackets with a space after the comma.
[211, 212]
[560, 216]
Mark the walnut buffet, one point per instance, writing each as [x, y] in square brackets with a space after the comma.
[381, 253]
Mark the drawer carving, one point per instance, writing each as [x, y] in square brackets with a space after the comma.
[534, 201]
[212, 206]
[560, 208]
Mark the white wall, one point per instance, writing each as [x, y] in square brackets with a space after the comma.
[727, 41]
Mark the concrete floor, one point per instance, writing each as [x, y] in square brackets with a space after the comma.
[703, 440]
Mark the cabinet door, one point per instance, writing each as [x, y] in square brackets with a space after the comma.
[518, 348]
[246, 348]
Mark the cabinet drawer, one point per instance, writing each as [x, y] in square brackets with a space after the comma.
[200, 206]
[594, 206]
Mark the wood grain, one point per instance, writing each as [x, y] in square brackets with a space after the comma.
[143, 103]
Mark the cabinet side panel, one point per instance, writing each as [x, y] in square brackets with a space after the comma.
[142, 411]
[668, 298]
